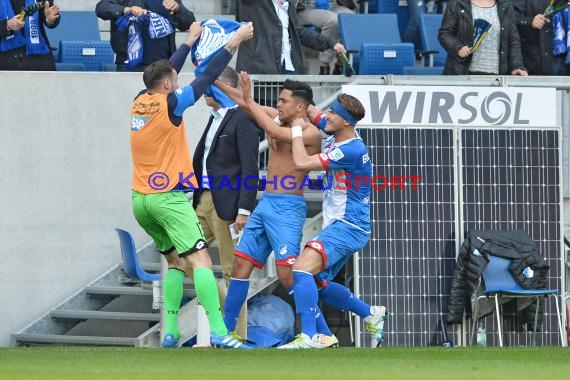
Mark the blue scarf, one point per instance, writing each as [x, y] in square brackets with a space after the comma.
[30, 35]
[215, 35]
[158, 27]
[561, 29]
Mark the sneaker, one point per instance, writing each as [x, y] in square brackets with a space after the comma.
[374, 325]
[327, 341]
[302, 341]
[237, 337]
[227, 341]
[169, 341]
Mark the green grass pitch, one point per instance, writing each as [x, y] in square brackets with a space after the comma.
[550, 363]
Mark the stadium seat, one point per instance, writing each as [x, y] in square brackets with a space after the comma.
[73, 26]
[59, 66]
[388, 6]
[499, 283]
[379, 59]
[131, 262]
[93, 54]
[429, 29]
[368, 31]
[422, 70]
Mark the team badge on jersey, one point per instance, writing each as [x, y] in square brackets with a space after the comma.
[336, 154]
[138, 122]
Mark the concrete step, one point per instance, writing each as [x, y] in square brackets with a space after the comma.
[31, 339]
[95, 290]
[107, 315]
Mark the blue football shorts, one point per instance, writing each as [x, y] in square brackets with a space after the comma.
[275, 224]
[337, 243]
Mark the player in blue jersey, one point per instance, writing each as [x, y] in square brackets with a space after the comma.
[346, 225]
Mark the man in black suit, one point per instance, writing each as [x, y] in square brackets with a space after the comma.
[225, 164]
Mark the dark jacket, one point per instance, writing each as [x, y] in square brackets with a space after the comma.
[515, 245]
[262, 54]
[17, 59]
[153, 50]
[233, 156]
[456, 31]
[536, 44]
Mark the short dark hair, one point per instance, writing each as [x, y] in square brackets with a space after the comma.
[156, 72]
[352, 105]
[229, 75]
[299, 90]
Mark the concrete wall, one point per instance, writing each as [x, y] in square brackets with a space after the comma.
[65, 170]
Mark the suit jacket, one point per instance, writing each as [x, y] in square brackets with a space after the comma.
[233, 156]
[262, 54]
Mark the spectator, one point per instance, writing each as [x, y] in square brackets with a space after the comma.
[160, 153]
[153, 49]
[23, 43]
[276, 46]
[536, 36]
[227, 153]
[324, 15]
[412, 32]
[500, 51]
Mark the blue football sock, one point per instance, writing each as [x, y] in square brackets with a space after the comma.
[236, 296]
[306, 298]
[322, 327]
[341, 298]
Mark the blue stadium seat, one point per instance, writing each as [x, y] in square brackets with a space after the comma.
[59, 66]
[108, 67]
[131, 263]
[91, 53]
[423, 70]
[358, 30]
[379, 59]
[429, 29]
[73, 26]
[389, 6]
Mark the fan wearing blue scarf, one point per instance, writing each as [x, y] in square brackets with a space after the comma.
[23, 43]
[143, 31]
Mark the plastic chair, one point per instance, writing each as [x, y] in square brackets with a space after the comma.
[59, 66]
[371, 30]
[93, 54]
[388, 6]
[379, 59]
[131, 262]
[429, 29]
[499, 283]
[422, 70]
[73, 26]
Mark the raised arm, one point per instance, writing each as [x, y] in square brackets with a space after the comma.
[236, 95]
[301, 158]
[188, 95]
[256, 111]
[179, 56]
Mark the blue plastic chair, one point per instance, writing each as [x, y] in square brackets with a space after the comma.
[369, 31]
[423, 70]
[92, 54]
[131, 263]
[73, 26]
[379, 59]
[499, 283]
[429, 29]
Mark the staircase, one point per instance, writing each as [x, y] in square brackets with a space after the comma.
[110, 312]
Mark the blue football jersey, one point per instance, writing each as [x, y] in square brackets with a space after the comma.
[347, 183]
